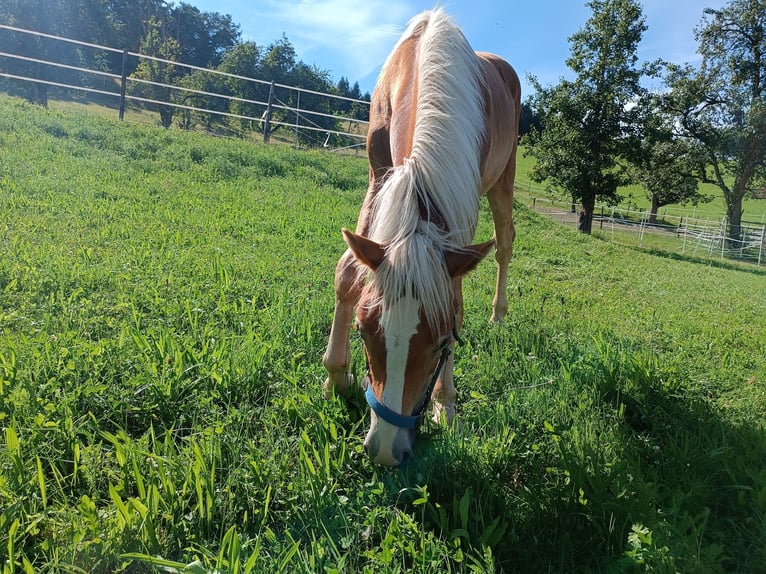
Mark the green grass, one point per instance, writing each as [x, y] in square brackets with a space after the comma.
[165, 299]
[634, 197]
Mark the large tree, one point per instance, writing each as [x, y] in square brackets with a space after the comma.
[244, 61]
[154, 77]
[204, 37]
[584, 120]
[666, 165]
[529, 119]
[279, 60]
[317, 80]
[722, 104]
[132, 20]
[48, 17]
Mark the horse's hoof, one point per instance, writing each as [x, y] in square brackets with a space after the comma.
[337, 385]
[443, 414]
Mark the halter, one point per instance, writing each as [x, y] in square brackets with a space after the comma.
[410, 421]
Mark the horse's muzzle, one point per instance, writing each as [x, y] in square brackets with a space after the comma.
[388, 445]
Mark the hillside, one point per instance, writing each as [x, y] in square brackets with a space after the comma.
[165, 299]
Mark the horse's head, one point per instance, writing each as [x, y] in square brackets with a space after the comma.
[406, 337]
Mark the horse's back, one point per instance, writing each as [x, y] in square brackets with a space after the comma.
[394, 106]
[502, 103]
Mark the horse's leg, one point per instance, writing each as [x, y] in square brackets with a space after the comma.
[348, 287]
[444, 395]
[349, 281]
[501, 202]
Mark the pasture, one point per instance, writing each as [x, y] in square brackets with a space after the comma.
[165, 300]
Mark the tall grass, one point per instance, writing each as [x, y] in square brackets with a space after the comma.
[165, 299]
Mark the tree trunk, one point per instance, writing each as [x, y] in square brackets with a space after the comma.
[585, 223]
[734, 220]
[166, 116]
[655, 208]
[42, 95]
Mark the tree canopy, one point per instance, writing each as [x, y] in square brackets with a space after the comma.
[721, 106]
[158, 72]
[585, 120]
[665, 164]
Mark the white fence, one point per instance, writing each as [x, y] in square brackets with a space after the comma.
[687, 232]
[118, 86]
[713, 240]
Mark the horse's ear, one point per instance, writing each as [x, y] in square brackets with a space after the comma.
[461, 262]
[367, 252]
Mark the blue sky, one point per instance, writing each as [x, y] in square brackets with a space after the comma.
[352, 38]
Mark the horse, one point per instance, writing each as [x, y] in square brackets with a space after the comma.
[443, 131]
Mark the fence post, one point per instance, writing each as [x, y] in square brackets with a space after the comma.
[724, 227]
[267, 124]
[298, 119]
[123, 83]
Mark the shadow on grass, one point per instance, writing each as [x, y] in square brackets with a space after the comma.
[638, 475]
[730, 264]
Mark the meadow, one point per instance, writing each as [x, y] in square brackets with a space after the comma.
[165, 300]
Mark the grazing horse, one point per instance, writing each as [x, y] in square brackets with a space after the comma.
[443, 130]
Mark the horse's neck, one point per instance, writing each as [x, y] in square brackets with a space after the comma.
[428, 212]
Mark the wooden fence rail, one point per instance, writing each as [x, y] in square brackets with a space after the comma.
[303, 117]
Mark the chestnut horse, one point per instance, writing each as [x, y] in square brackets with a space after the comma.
[443, 130]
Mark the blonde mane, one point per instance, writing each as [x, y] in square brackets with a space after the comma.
[442, 173]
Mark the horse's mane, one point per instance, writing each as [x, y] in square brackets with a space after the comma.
[442, 172]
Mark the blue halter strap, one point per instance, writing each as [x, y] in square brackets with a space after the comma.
[391, 417]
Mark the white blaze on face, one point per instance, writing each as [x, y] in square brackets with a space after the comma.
[399, 327]
[385, 440]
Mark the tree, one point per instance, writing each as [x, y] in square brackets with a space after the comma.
[529, 120]
[244, 60]
[356, 91]
[722, 105]
[49, 17]
[203, 81]
[133, 20]
[585, 121]
[204, 37]
[355, 110]
[155, 76]
[668, 166]
[279, 60]
[317, 80]
[344, 89]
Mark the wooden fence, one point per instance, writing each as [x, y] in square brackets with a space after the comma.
[118, 86]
